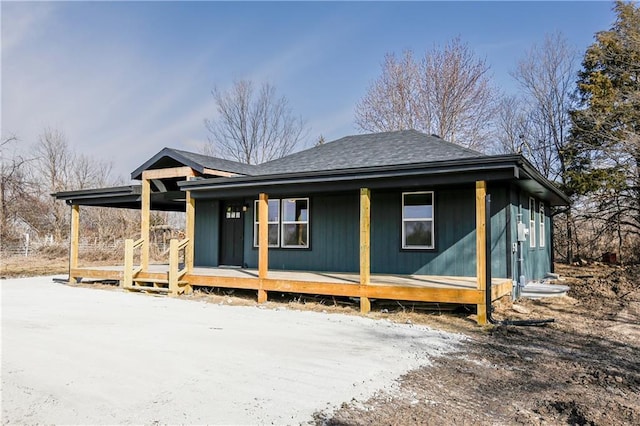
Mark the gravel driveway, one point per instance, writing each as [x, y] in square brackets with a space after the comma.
[74, 355]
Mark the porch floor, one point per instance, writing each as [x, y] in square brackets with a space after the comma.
[434, 288]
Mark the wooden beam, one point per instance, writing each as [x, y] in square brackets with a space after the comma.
[481, 244]
[425, 294]
[365, 248]
[145, 213]
[391, 292]
[312, 287]
[172, 172]
[190, 233]
[500, 289]
[97, 274]
[220, 173]
[127, 278]
[263, 243]
[75, 239]
[173, 267]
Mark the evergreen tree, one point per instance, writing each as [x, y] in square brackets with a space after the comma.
[604, 153]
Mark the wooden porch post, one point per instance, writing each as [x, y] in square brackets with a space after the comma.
[190, 231]
[481, 254]
[190, 234]
[365, 248]
[75, 239]
[144, 222]
[263, 244]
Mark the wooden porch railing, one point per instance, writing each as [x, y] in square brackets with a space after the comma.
[129, 271]
[176, 274]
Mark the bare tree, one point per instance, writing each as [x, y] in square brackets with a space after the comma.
[50, 173]
[393, 101]
[512, 123]
[12, 185]
[546, 76]
[88, 172]
[447, 92]
[253, 127]
[537, 123]
[456, 87]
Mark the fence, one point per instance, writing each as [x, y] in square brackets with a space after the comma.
[109, 250]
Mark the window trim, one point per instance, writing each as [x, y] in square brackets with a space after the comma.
[532, 222]
[541, 226]
[294, 222]
[280, 224]
[404, 245]
[256, 223]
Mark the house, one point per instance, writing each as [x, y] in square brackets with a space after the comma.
[397, 215]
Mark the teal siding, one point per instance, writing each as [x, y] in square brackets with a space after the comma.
[455, 236]
[207, 229]
[537, 260]
[501, 255]
[333, 236]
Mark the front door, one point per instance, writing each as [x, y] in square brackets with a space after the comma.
[231, 234]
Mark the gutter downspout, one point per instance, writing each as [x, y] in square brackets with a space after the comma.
[530, 322]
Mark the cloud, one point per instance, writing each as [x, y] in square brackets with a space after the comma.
[114, 103]
[20, 23]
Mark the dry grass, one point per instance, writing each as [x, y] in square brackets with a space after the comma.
[32, 266]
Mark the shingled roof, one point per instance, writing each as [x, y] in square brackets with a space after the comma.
[170, 157]
[350, 152]
[369, 150]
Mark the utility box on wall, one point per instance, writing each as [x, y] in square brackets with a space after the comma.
[522, 232]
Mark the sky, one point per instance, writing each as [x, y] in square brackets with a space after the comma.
[123, 80]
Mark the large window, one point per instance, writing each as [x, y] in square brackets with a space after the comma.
[273, 223]
[417, 220]
[288, 223]
[543, 236]
[532, 222]
[295, 223]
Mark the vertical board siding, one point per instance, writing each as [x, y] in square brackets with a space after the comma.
[207, 232]
[537, 261]
[455, 235]
[500, 245]
[333, 237]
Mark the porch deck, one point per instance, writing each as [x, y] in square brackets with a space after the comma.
[423, 288]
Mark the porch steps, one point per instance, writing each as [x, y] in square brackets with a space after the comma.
[158, 285]
[148, 288]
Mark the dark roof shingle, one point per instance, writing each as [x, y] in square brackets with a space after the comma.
[216, 163]
[369, 150]
[350, 152]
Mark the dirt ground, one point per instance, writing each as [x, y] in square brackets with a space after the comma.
[582, 369]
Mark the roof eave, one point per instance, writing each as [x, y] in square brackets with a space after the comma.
[166, 152]
[441, 167]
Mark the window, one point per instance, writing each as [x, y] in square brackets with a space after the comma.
[288, 222]
[273, 222]
[417, 220]
[543, 236]
[532, 223]
[295, 222]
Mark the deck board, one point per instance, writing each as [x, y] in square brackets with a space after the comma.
[338, 283]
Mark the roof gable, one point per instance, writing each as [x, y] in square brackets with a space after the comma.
[169, 157]
[370, 150]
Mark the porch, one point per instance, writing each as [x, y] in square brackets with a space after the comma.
[419, 288]
[182, 273]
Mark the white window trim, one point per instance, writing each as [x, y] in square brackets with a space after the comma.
[532, 222]
[541, 217]
[430, 219]
[294, 222]
[256, 223]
